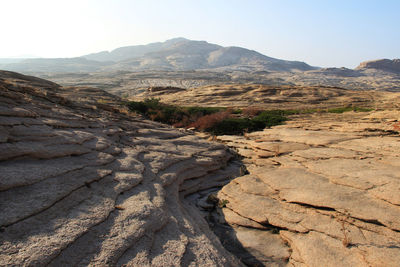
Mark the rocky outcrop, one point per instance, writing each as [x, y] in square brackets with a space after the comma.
[272, 97]
[381, 64]
[84, 184]
[321, 191]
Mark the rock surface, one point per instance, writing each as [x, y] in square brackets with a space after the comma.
[381, 64]
[272, 97]
[323, 190]
[129, 83]
[83, 184]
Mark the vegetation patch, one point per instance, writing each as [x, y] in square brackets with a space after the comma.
[170, 114]
[219, 120]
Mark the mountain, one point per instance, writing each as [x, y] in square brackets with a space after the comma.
[386, 65]
[129, 52]
[184, 54]
[175, 54]
[171, 55]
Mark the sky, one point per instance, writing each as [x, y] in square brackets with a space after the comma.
[325, 33]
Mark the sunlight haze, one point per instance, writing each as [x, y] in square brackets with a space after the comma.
[321, 33]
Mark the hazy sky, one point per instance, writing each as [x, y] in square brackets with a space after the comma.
[319, 32]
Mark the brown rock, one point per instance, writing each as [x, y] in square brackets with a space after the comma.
[332, 195]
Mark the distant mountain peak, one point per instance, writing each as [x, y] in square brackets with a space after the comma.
[176, 40]
[184, 54]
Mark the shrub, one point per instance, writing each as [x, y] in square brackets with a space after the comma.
[236, 126]
[270, 118]
[237, 111]
[137, 106]
[144, 106]
[168, 114]
[231, 126]
[208, 121]
[157, 111]
[202, 111]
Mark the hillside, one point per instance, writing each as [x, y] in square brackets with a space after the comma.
[183, 54]
[173, 55]
[130, 83]
[382, 65]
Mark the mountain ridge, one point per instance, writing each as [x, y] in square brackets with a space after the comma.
[174, 54]
[381, 64]
[181, 54]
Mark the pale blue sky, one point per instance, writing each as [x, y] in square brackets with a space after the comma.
[321, 33]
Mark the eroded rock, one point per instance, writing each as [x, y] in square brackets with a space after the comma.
[83, 184]
[331, 195]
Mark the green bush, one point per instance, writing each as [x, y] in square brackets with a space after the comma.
[232, 126]
[237, 111]
[157, 111]
[202, 111]
[169, 114]
[270, 117]
[137, 106]
[235, 126]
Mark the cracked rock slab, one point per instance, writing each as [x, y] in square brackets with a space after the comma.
[83, 183]
[333, 198]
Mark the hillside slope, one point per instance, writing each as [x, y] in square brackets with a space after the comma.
[381, 64]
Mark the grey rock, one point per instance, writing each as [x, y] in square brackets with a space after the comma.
[88, 185]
